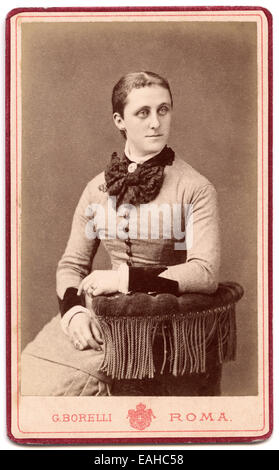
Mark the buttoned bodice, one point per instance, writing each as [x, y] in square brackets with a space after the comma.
[148, 234]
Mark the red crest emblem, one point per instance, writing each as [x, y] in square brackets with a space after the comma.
[140, 418]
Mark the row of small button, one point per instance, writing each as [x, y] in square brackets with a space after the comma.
[128, 242]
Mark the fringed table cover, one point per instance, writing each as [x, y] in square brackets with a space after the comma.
[187, 324]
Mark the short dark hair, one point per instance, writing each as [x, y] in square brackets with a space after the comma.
[134, 80]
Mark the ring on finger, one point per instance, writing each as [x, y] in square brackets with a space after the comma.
[77, 344]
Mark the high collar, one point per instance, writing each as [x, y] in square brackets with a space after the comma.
[139, 160]
[161, 159]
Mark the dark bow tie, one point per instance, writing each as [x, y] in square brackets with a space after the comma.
[134, 183]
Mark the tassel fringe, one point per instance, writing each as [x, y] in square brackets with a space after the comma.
[186, 338]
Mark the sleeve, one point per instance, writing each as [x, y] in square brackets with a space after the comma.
[70, 300]
[200, 272]
[146, 279]
[77, 259]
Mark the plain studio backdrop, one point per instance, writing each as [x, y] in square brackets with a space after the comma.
[68, 72]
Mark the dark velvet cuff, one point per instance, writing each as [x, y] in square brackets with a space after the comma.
[70, 299]
[146, 279]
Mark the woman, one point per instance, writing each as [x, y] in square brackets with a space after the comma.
[157, 218]
[149, 175]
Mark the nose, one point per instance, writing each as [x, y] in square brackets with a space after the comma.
[154, 121]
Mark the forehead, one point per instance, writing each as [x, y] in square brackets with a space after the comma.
[152, 95]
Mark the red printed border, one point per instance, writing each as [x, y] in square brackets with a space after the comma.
[114, 12]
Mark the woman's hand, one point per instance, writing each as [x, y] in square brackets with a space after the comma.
[100, 282]
[85, 332]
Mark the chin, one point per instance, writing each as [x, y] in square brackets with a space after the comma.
[155, 147]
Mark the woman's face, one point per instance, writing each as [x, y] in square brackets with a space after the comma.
[146, 119]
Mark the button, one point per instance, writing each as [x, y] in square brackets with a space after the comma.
[126, 229]
[129, 252]
[132, 167]
[126, 215]
[128, 242]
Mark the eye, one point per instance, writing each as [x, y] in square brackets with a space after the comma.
[143, 113]
[163, 110]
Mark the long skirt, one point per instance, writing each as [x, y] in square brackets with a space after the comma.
[51, 366]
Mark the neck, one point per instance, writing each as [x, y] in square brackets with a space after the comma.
[139, 158]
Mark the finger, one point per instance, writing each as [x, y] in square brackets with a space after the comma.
[83, 287]
[98, 291]
[96, 331]
[78, 341]
[80, 287]
[87, 280]
[102, 389]
[74, 337]
[90, 290]
[89, 338]
[92, 343]
[88, 283]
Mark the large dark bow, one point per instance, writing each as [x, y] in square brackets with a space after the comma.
[143, 184]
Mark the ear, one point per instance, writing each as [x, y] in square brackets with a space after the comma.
[119, 121]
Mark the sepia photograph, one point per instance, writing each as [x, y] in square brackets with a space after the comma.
[139, 166]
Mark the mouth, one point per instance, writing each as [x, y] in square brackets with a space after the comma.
[154, 136]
